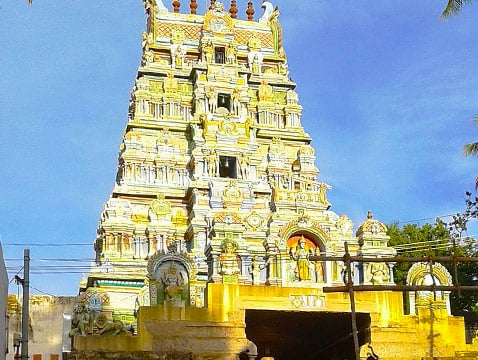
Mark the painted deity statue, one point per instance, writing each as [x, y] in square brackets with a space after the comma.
[265, 92]
[378, 273]
[255, 268]
[228, 261]
[301, 256]
[173, 283]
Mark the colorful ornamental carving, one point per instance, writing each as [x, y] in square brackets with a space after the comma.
[371, 226]
[160, 206]
[254, 220]
[217, 20]
[232, 195]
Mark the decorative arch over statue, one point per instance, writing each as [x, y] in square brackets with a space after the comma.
[420, 274]
[169, 277]
[300, 269]
[304, 225]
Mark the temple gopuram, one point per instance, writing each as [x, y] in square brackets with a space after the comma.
[207, 246]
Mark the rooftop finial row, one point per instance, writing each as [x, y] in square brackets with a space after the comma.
[193, 6]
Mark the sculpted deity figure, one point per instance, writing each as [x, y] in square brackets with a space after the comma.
[244, 163]
[265, 92]
[173, 282]
[255, 269]
[323, 195]
[318, 268]
[212, 163]
[208, 52]
[177, 55]
[319, 271]
[301, 256]
[147, 39]
[236, 103]
[81, 321]
[256, 65]
[377, 273]
[170, 84]
[228, 261]
[211, 99]
[283, 67]
[231, 54]
[148, 57]
[197, 132]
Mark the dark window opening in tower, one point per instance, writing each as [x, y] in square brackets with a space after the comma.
[220, 55]
[228, 167]
[224, 101]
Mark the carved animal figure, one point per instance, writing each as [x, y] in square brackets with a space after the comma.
[160, 5]
[268, 9]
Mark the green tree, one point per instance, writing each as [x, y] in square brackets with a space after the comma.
[453, 7]
[413, 240]
[465, 303]
[442, 239]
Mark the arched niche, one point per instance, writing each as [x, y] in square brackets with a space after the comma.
[169, 278]
[303, 225]
[299, 268]
[421, 274]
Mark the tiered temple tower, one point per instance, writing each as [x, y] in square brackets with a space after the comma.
[206, 241]
[216, 178]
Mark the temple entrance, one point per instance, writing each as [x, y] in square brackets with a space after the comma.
[295, 335]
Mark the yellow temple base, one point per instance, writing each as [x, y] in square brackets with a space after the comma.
[300, 322]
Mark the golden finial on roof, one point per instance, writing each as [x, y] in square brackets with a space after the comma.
[176, 5]
[193, 5]
[212, 4]
[250, 11]
[233, 9]
[369, 214]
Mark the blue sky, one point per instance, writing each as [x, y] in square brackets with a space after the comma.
[388, 91]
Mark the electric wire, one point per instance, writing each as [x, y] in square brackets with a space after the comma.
[46, 245]
[40, 291]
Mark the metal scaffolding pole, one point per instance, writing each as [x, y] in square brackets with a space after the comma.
[350, 289]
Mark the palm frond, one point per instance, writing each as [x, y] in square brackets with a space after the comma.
[453, 7]
[471, 149]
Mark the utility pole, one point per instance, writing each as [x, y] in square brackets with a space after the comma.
[26, 302]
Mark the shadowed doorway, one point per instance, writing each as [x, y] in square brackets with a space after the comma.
[296, 335]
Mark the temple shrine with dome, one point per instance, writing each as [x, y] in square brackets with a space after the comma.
[205, 248]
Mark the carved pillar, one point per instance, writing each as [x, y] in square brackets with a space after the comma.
[246, 262]
[390, 273]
